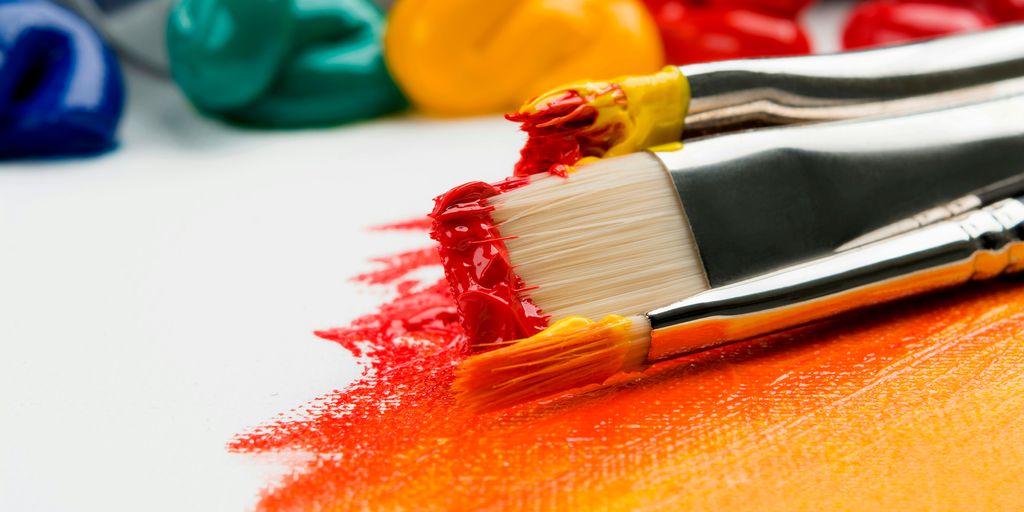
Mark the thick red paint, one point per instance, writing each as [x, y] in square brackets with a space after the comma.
[883, 22]
[562, 130]
[487, 291]
[693, 33]
[1006, 10]
[787, 8]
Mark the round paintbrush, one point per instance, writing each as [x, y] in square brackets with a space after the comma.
[620, 116]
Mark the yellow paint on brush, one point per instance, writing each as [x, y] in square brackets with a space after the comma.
[465, 57]
[571, 324]
[571, 353]
[633, 112]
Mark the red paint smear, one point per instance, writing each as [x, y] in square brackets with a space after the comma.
[561, 131]
[418, 224]
[821, 415]
[394, 267]
[488, 293]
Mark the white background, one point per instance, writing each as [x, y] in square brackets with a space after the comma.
[157, 300]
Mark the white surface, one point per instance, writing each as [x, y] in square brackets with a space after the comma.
[160, 299]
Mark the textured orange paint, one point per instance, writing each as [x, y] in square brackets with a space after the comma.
[911, 405]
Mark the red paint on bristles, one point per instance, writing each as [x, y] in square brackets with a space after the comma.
[561, 130]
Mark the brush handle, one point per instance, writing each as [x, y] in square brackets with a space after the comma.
[979, 245]
[732, 95]
[1006, 188]
[764, 199]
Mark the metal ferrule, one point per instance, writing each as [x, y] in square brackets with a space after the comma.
[761, 200]
[978, 245]
[1000, 190]
[738, 94]
[927, 217]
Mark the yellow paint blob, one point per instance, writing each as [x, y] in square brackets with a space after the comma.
[464, 57]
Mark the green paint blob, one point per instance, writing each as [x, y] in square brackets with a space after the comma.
[282, 63]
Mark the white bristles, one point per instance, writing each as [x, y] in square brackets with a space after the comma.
[609, 239]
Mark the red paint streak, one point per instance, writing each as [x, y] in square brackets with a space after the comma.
[487, 291]
[420, 224]
[562, 130]
[394, 267]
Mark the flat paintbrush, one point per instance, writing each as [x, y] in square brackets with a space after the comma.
[623, 115]
[576, 352]
[630, 233]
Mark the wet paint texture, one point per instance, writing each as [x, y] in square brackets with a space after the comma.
[600, 119]
[883, 22]
[702, 32]
[913, 405]
[489, 295]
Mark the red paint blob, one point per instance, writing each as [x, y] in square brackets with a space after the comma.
[884, 22]
[1006, 10]
[786, 8]
[561, 131]
[487, 291]
[719, 32]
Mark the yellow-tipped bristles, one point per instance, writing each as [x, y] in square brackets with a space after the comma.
[572, 353]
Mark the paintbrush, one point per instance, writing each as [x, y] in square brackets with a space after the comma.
[1010, 187]
[631, 233]
[620, 116]
[576, 352]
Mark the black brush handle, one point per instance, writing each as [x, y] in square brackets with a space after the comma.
[737, 94]
[760, 200]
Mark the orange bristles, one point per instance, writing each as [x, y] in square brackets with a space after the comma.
[573, 352]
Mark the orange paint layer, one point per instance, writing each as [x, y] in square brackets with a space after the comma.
[911, 405]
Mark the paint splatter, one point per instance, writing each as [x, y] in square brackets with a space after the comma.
[419, 224]
[909, 405]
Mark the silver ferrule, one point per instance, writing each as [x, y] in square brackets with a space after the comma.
[925, 218]
[761, 200]
[738, 94]
[978, 245]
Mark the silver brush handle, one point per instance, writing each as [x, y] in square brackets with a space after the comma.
[748, 93]
[976, 246]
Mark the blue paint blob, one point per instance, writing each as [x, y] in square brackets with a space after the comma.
[61, 89]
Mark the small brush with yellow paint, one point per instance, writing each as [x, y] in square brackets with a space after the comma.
[627, 114]
[576, 351]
